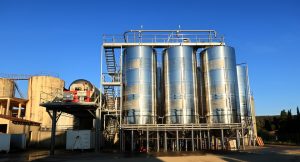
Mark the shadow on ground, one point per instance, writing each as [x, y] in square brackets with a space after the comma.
[271, 153]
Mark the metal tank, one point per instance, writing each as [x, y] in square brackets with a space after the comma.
[180, 85]
[42, 89]
[244, 91]
[139, 85]
[7, 88]
[160, 111]
[81, 90]
[219, 85]
[201, 109]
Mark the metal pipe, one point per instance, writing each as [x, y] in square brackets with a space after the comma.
[105, 115]
[205, 126]
[177, 31]
[98, 110]
[121, 87]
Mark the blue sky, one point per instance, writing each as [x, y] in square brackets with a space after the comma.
[64, 37]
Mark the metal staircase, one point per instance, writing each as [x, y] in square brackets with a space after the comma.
[110, 60]
[110, 79]
[110, 97]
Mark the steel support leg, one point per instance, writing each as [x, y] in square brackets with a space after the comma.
[97, 130]
[157, 141]
[177, 141]
[132, 142]
[165, 142]
[186, 144]
[216, 143]
[222, 139]
[121, 140]
[197, 141]
[237, 140]
[53, 130]
[243, 139]
[201, 141]
[193, 142]
[147, 140]
[208, 139]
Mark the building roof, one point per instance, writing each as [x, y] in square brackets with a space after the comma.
[13, 101]
[19, 121]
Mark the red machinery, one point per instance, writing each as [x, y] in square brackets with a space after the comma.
[81, 91]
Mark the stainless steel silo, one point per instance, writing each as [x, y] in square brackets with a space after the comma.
[160, 111]
[139, 85]
[220, 84]
[244, 91]
[180, 85]
[201, 109]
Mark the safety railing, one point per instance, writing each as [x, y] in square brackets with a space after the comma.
[163, 36]
[108, 77]
[183, 126]
[53, 96]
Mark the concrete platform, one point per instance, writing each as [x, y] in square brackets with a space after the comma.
[273, 153]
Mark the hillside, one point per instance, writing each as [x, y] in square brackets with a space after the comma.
[283, 128]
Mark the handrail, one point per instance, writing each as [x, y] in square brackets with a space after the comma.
[169, 31]
[163, 38]
[183, 126]
[50, 96]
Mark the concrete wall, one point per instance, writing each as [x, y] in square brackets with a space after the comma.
[5, 121]
[7, 88]
[44, 139]
[34, 136]
[21, 129]
[42, 89]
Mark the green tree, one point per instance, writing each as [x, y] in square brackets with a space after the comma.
[268, 126]
[283, 114]
[289, 114]
[276, 123]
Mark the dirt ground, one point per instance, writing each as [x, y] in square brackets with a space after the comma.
[269, 153]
